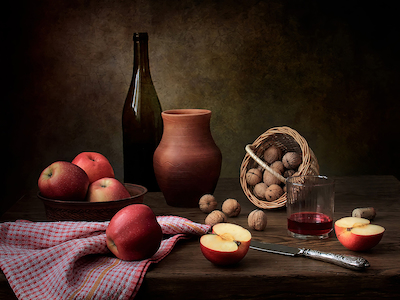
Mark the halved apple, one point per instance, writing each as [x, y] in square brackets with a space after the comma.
[358, 234]
[226, 245]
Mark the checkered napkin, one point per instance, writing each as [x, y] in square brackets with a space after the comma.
[70, 260]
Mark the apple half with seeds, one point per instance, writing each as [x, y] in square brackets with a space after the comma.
[226, 245]
[358, 234]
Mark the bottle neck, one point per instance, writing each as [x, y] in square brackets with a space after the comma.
[141, 53]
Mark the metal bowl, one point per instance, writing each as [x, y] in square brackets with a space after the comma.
[61, 210]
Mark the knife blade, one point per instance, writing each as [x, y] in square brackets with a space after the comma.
[347, 261]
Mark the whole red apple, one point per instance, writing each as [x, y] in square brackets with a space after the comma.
[226, 245]
[106, 189]
[134, 233]
[63, 180]
[96, 165]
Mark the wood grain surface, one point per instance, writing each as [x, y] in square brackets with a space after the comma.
[186, 274]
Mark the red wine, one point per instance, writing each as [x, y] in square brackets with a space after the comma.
[310, 223]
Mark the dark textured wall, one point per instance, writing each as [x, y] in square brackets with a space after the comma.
[328, 69]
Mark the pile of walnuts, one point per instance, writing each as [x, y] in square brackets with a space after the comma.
[257, 219]
[208, 204]
[230, 208]
[267, 186]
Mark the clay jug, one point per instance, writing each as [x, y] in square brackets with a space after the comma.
[187, 162]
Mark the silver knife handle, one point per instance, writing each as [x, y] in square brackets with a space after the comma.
[346, 261]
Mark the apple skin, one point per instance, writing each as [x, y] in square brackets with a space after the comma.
[106, 189]
[360, 236]
[63, 180]
[359, 242]
[134, 233]
[224, 258]
[95, 165]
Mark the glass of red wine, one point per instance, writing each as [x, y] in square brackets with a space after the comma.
[310, 206]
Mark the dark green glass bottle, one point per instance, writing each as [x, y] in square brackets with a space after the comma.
[141, 120]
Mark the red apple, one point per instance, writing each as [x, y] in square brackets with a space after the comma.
[63, 180]
[96, 165]
[134, 233]
[226, 245]
[106, 189]
[357, 234]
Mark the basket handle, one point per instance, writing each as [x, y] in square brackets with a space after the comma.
[263, 164]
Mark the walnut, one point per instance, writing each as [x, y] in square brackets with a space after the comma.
[259, 190]
[253, 176]
[273, 192]
[288, 173]
[278, 167]
[207, 203]
[231, 207]
[257, 220]
[270, 178]
[272, 154]
[215, 217]
[291, 160]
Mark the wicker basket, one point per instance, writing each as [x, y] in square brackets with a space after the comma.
[287, 140]
[61, 210]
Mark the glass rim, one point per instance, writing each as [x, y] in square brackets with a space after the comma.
[322, 180]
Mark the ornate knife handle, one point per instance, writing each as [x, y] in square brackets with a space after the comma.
[347, 261]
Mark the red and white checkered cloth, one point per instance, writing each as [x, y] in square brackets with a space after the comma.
[70, 260]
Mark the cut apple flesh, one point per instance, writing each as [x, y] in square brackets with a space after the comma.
[226, 237]
[351, 222]
[358, 234]
[226, 245]
[219, 243]
[236, 232]
[369, 229]
[359, 226]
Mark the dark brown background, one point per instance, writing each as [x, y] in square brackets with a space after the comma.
[328, 69]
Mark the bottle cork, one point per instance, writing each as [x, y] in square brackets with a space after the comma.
[364, 212]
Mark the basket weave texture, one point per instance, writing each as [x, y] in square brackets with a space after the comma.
[286, 139]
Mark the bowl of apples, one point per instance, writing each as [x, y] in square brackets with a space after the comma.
[85, 190]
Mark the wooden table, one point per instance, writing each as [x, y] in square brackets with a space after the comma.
[186, 274]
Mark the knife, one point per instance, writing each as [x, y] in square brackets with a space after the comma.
[347, 261]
